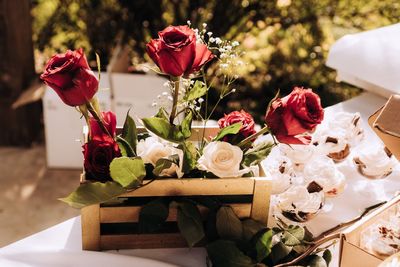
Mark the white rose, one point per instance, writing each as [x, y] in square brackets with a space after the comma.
[151, 150]
[222, 159]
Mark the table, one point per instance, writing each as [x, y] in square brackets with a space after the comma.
[60, 245]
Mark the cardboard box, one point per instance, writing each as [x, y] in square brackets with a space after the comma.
[134, 91]
[63, 127]
[386, 124]
[351, 254]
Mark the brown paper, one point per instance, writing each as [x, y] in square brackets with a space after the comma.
[386, 124]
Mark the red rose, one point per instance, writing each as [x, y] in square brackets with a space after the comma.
[292, 117]
[98, 154]
[238, 116]
[176, 53]
[70, 76]
[110, 122]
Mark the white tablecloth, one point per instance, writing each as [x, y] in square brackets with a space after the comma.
[61, 245]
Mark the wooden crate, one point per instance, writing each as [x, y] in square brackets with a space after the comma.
[107, 227]
[113, 227]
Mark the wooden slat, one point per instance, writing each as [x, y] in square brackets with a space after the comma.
[195, 186]
[90, 220]
[131, 214]
[144, 241]
[261, 197]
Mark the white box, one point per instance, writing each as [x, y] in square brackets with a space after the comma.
[134, 91]
[63, 127]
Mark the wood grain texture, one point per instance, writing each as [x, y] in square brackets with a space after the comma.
[90, 220]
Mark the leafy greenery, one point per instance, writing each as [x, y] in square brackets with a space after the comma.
[198, 90]
[190, 223]
[93, 193]
[162, 128]
[128, 172]
[231, 129]
[165, 163]
[228, 224]
[258, 153]
[129, 132]
[153, 215]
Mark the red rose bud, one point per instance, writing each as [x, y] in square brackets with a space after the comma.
[238, 116]
[176, 52]
[98, 154]
[109, 121]
[70, 76]
[292, 117]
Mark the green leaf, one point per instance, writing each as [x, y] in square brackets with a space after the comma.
[186, 124]
[98, 64]
[125, 147]
[190, 223]
[279, 251]
[250, 228]
[273, 99]
[162, 128]
[165, 163]
[257, 154]
[316, 261]
[231, 129]
[198, 90]
[189, 156]
[264, 245]
[225, 253]
[228, 224]
[162, 114]
[129, 132]
[327, 256]
[93, 193]
[128, 172]
[153, 215]
[293, 235]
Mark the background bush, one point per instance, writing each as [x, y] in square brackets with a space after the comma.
[286, 42]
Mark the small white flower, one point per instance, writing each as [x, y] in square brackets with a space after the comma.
[209, 33]
[212, 40]
[228, 47]
[224, 66]
[151, 150]
[170, 98]
[235, 43]
[222, 159]
[200, 100]
[154, 104]
[197, 108]
[233, 90]
[188, 22]
[159, 96]
[204, 25]
[218, 40]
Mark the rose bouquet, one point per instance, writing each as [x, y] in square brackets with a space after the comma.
[117, 161]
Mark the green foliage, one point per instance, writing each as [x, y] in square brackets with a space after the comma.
[165, 163]
[93, 193]
[228, 224]
[129, 132]
[225, 253]
[198, 90]
[257, 154]
[153, 215]
[231, 129]
[128, 172]
[264, 245]
[190, 223]
[162, 128]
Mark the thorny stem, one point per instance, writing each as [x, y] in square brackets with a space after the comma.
[97, 118]
[172, 116]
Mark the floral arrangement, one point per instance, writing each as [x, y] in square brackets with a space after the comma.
[117, 162]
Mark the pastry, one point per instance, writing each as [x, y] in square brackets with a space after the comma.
[332, 143]
[324, 172]
[298, 154]
[280, 169]
[382, 239]
[351, 124]
[300, 203]
[375, 163]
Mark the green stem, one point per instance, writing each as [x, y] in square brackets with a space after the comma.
[97, 118]
[250, 138]
[172, 116]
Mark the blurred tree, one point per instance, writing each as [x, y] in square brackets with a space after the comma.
[286, 42]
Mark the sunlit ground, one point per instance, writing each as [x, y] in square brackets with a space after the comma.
[29, 192]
